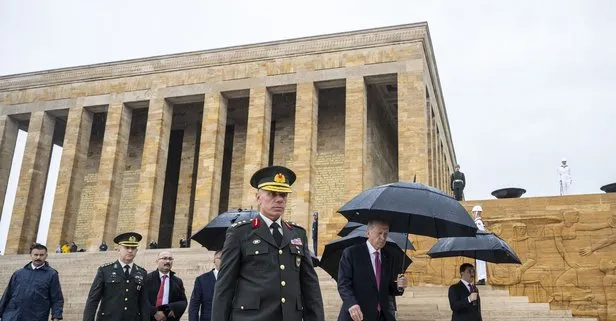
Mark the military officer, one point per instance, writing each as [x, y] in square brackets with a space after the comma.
[266, 271]
[118, 286]
[458, 182]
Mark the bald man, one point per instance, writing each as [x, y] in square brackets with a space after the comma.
[165, 291]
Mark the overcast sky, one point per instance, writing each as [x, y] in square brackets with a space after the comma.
[525, 83]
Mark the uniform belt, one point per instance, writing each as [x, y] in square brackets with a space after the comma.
[458, 180]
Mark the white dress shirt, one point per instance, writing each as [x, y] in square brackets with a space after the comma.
[166, 289]
[122, 264]
[468, 287]
[216, 274]
[371, 251]
[269, 222]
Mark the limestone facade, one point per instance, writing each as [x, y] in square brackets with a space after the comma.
[346, 111]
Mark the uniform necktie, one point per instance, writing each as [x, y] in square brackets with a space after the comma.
[377, 267]
[126, 271]
[161, 292]
[276, 233]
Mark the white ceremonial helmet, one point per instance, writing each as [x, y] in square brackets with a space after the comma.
[477, 208]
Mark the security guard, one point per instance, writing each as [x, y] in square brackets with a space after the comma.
[119, 285]
[458, 182]
[266, 271]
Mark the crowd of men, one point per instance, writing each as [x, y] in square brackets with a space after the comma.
[263, 273]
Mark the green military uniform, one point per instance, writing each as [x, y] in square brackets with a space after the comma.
[260, 280]
[121, 298]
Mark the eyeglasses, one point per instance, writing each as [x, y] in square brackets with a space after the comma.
[166, 258]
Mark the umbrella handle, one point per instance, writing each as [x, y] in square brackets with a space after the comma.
[405, 245]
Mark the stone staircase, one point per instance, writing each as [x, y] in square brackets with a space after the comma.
[419, 303]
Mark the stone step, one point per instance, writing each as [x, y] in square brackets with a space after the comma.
[419, 303]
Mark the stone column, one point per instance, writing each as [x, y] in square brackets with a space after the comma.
[9, 128]
[412, 135]
[71, 176]
[182, 207]
[257, 140]
[211, 152]
[31, 187]
[304, 153]
[104, 220]
[430, 175]
[439, 156]
[355, 137]
[153, 167]
[447, 171]
[433, 153]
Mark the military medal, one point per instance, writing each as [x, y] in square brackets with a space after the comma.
[256, 241]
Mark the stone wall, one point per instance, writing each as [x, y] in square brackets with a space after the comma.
[330, 186]
[382, 144]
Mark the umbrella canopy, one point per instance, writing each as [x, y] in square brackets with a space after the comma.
[348, 228]
[411, 208]
[212, 236]
[485, 246]
[333, 252]
[401, 239]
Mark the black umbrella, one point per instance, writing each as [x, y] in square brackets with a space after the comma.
[401, 239]
[333, 252]
[485, 246]
[212, 236]
[411, 208]
[348, 228]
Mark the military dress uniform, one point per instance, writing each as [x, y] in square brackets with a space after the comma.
[458, 182]
[260, 280]
[121, 298]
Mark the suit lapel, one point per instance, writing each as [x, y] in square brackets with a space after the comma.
[385, 266]
[465, 287]
[286, 235]
[367, 258]
[264, 233]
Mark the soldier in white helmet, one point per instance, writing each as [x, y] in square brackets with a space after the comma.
[564, 173]
[482, 272]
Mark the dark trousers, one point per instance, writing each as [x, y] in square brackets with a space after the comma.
[381, 317]
[457, 192]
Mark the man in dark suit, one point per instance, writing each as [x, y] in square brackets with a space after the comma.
[203, 293]
[458, 182]
[315, 232]
[366, 279]
[266, 270]
[464, 296]
[119, 286]
[165, 291]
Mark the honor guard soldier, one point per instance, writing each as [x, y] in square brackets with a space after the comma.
[266, 271]
[118, 286]
[458, 182]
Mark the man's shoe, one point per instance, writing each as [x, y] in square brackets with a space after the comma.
[481, 282]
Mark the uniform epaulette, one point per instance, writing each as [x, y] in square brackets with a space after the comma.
[140, 268]
[294, 224]
[240, 223]
[107, 264]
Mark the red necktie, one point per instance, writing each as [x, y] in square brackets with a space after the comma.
[161, 292]
[377, 265]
